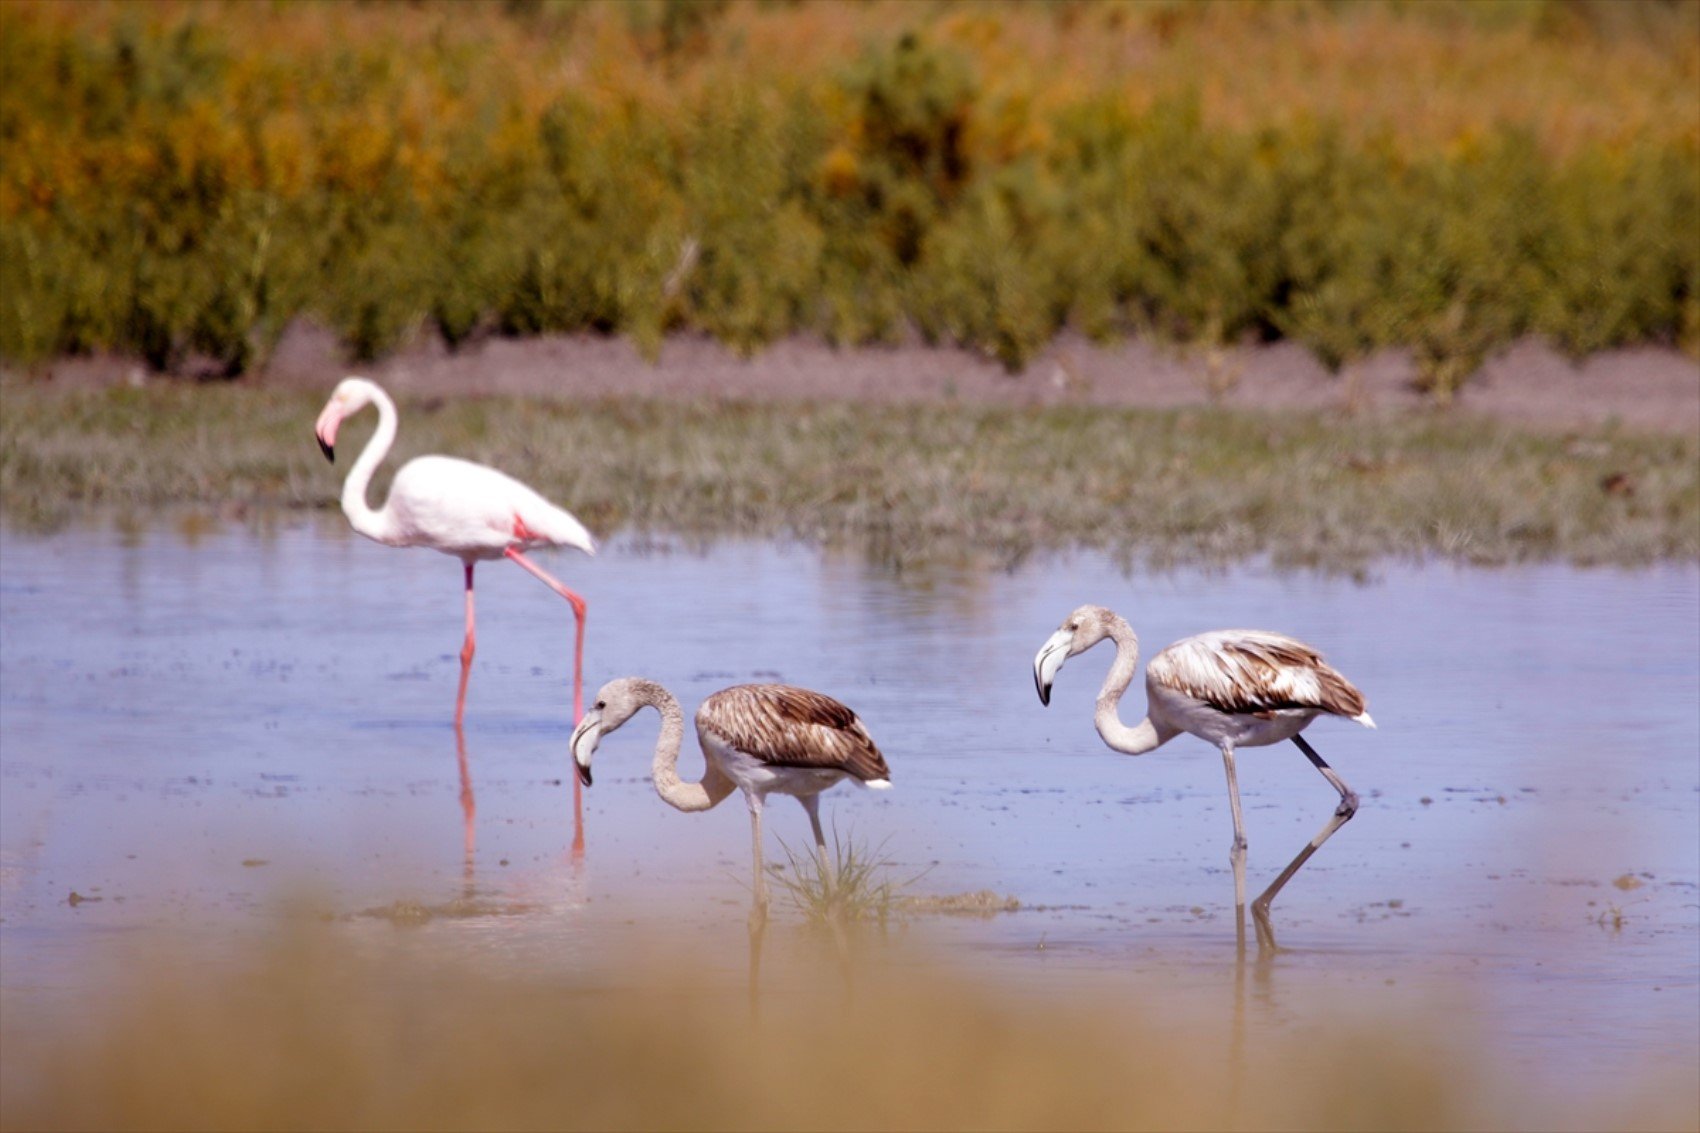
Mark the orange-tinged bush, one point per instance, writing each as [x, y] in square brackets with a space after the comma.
[1444, 176]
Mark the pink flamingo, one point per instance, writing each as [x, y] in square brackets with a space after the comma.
[459, 508]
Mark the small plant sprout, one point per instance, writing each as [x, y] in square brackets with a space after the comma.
[856, 885]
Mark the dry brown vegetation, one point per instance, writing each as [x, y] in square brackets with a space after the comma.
[312, 1034]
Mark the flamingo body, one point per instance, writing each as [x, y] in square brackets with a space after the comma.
[770, 737]
[473, 512]
[1247, 687]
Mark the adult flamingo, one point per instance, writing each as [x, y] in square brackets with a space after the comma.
[1235, 688]
[457, 507]
[762, 738]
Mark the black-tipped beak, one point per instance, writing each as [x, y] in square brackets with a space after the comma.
[588, 728]
[1049, 659]
[328, 450]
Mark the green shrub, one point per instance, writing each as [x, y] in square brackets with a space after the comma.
[181, 181]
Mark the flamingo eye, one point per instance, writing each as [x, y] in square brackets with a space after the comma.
[601, 704]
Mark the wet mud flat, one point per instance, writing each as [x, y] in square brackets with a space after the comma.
[234, 749]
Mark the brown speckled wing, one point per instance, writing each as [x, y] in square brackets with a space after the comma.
[1249, 671]
[788, 726]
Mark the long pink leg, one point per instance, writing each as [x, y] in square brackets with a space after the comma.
[466, 651]
[578, 605]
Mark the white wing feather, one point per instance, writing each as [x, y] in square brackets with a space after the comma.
[1255, 671]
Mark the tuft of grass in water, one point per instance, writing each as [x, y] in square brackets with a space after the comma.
[855, 886]
[1613, 917]
[981, 903]
[906, 485]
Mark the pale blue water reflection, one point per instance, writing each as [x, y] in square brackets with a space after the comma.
[195, 722]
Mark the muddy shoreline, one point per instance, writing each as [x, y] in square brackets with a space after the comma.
[1651, 389]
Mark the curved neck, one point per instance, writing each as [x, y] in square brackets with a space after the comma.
[1142, 737]
[675, 792]
[374, 524]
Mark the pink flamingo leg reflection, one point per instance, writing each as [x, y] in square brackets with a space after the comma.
[468, 805]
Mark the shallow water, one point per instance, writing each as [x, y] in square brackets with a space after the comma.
[198, 722]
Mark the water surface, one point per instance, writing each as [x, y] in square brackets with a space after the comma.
[198, 721]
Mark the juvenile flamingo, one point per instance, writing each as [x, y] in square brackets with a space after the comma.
[760, 738]
[1235, 688]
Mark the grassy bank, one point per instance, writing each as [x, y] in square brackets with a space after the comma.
[908, 484]
[181, 180]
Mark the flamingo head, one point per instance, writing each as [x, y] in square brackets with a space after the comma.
[1080, 631]
[616, 702]
[350, 396]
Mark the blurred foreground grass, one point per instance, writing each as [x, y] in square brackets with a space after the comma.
[907, 483]
[310, 1033]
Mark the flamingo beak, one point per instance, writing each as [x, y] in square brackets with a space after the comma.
[1048, 660]
[325, 428]
[583, 744]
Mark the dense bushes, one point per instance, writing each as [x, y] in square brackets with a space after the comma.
[183, 181]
